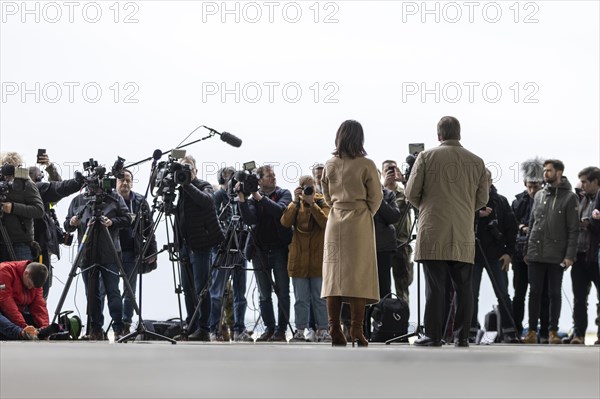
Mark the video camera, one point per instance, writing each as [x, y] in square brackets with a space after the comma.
[98, 179]
[413, 151]
[5, 185]
[247, 178]
[169, 174]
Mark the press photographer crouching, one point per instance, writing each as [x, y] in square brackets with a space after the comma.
[20, 203]
[263, 209]
[48, 231]
[101, 205]
[199, 232]
[23, 312]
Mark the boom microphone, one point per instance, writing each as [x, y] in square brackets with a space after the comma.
[231, 139]
[157, 154]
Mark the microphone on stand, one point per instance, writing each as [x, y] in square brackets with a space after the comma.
[227, 137]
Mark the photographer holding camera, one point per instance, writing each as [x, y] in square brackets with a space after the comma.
[20, 203]
[497, 234]
[270, 240]
[307, 216]
[98, 261]
[47, 230]
[199, 232]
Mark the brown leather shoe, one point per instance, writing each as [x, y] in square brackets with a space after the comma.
[553, 338]
[530, 338]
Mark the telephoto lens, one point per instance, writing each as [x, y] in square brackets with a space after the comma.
[308, 190]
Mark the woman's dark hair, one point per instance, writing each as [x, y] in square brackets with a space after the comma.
[349, 140]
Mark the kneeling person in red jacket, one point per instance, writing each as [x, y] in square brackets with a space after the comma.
[23, 312]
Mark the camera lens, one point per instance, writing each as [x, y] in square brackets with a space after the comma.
[308, 190]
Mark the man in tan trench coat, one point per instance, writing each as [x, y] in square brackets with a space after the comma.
[448, 185]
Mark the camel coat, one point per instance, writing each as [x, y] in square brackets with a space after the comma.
[448, 184]
[352, 188]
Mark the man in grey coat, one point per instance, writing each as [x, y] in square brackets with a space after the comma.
[448, 185]
[552, 245]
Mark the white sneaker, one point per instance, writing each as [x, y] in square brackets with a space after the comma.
[311, 336]
[215, 338]
[298, 337]
[323, 335]
[242, 337]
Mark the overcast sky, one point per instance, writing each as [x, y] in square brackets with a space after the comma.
[101, 79]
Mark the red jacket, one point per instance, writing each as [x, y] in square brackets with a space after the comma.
[15, 297]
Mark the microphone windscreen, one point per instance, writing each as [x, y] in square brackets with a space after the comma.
[231, 139]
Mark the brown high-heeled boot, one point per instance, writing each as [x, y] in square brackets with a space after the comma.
[334, 308]
[357, 312]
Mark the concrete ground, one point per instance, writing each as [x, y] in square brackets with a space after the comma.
[227, 370]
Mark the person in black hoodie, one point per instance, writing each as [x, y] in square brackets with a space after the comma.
[269, 241]
[496, 231]
[552, 245]
[199, 231]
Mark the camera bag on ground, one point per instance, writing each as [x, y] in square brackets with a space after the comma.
[388, 319]
[492, 328]
[169, 328]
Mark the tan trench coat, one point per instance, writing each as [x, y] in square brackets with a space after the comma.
[447, 185]
[352, 188]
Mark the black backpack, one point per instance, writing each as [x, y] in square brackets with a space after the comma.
[388, 319]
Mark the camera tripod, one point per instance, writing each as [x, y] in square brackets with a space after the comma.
[94, 229]
[229, 258]
[6, 239]
[418, 332]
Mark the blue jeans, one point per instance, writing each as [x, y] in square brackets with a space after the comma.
[308, 292]
[128, 259]
[8, 329]
[219, 280]
[108, 276]
[500, 289]
[21, 249]
[267, 262]
[193, 280]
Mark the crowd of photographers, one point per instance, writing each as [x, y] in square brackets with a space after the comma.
[282, 234]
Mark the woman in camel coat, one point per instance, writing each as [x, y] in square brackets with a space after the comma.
[351, 186]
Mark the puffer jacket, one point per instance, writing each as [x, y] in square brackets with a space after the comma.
[554, 224]
[387, 215]
[305, 257]
[27, 205]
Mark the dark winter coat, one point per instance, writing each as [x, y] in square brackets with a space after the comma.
[387, 215]
[496, 232]
[265, 215]
[114, 208]
[521, 207]
[26, 206]
[197, 216]
[127, 236]
[47, 233]
[554, 224]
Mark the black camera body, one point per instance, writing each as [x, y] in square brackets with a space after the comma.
[246, 177]
[494, 230]
[308, 190]
[97, 179]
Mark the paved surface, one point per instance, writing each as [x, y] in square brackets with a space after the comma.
[226, 370]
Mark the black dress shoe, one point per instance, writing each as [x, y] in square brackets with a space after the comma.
[461, 343]
[426, 341]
